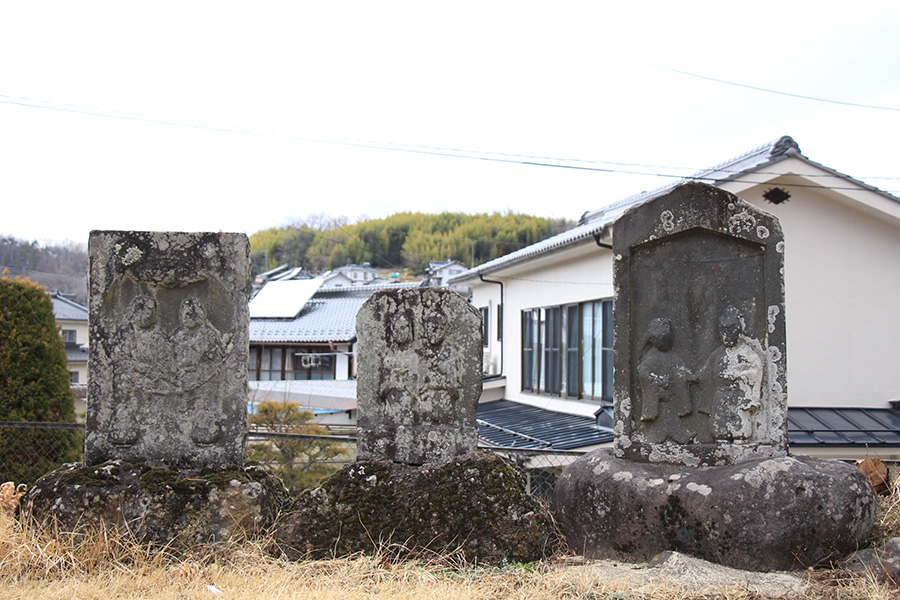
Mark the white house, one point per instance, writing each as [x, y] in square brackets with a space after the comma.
[438, 272]
[549, 305]
[72, 321]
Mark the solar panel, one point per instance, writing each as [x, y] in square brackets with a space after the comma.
[283, 299]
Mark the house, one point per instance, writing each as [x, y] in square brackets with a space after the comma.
[72, 321]
[356, 274]
[438, 272]
[549, 306]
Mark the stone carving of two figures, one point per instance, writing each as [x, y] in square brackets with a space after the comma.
[156, 366]
[730, 380]
[422, 377]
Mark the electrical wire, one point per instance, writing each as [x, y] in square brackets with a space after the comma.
[770, 91]
[527, 160]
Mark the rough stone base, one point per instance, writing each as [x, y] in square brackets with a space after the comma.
[881, 561]
[760, 515]
[475, 504]
[159, 506]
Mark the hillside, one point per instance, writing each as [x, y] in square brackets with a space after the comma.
[401, 241]
[60, 267]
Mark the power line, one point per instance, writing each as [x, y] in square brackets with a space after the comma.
[770, 91]
[536, 161]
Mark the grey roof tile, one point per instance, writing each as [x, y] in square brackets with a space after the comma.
[323, 319]
[68, 310]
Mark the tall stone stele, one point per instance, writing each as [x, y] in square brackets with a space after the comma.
[699, 350]
[419, 376]
[700, 462]
[168, 355]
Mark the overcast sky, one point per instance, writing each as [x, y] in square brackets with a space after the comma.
[240, 116]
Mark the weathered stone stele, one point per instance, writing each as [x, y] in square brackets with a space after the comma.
[419, 376]
[168, 351]
[700, 460]
[700, 332]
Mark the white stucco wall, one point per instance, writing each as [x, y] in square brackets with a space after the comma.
[842, 285]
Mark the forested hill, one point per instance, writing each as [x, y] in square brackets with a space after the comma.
[60, 267]
[404, 240]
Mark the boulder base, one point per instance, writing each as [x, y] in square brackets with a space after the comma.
[760, 515]
[475, 504]
[178, 508]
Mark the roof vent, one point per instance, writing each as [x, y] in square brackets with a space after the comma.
[776, 195]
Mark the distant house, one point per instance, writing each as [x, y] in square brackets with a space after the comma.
[357, 274]
[548, 306]
[72, 322]
[337, 279]
[439, 272]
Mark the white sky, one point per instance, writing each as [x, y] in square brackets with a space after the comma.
[570, 80]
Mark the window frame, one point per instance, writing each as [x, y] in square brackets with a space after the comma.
[556, 360]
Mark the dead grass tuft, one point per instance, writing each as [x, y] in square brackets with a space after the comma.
[887, 521]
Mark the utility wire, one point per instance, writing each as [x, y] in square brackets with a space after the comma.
[770, 91]
[411, 149]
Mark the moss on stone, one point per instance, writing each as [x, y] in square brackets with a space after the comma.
[476, 504]
[103, 475]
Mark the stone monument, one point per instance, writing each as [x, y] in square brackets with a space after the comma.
[700, 460]
[167, 419]
[699, 331]
[168, 348]
[419, 480]
[419, 376]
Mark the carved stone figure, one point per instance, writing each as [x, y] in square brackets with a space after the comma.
[663, 382]
[168, 348]
[733, 376]
[699, 330]
[419, 375]
[700, 462]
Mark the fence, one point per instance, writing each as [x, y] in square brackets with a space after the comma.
[28, 450]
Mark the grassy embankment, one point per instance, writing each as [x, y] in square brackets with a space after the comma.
[108, 565]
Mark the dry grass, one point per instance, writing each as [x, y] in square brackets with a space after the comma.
[108, 565]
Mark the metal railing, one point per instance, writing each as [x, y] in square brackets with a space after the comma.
[29, 449]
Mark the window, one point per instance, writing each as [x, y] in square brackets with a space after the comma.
[276, 363]
[485, 325]
[68, 336]
[73, 376]
[271, 365]
[567, 350]
[312, 364]
[253, 368]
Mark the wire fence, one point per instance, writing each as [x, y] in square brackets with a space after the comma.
[29, 450]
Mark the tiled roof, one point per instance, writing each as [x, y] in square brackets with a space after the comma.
[509, 424]
[596, 222]
[329, 316]
[323, 319]
[68, 310]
